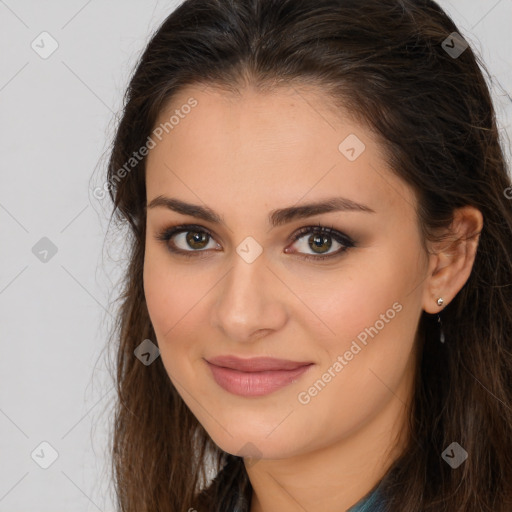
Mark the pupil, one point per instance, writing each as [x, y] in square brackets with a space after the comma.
[318, 240]
[194, 237]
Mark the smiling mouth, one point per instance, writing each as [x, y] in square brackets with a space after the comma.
[257, 376]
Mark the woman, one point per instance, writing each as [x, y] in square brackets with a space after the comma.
[343, 341]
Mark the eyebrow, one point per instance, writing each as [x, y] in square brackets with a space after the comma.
[276, 217]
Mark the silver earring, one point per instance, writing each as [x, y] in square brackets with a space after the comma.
[440, 302]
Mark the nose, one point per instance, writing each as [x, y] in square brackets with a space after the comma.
[251, 301]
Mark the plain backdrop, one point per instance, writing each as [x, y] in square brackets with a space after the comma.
[57, 275]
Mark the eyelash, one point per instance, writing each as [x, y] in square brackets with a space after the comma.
[166, 234]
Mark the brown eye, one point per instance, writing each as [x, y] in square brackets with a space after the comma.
[320, 243]
[196, 239]
[186, 240]
[320, 240]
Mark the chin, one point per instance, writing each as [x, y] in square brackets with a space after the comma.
[255, 445]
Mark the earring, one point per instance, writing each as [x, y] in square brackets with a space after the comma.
[440, 302]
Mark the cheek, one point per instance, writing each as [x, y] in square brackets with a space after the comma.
[158, 286]
[175, 297]
[168, 302]
[366, 314]
[374, 318]
[164, 292]
[341, 302]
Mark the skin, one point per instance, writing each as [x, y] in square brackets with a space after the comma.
[245, 156]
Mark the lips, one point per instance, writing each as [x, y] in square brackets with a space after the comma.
[256, 376]
[256, 364]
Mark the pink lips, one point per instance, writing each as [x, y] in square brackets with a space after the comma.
[256, 376]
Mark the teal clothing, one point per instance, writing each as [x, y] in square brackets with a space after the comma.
[372, 502]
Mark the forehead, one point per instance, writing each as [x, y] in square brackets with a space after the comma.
[289, 141]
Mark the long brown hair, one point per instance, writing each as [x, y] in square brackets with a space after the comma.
[386, 62]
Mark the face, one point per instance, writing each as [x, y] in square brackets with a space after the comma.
[335, 290]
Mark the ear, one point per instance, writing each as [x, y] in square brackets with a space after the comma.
[451, 260]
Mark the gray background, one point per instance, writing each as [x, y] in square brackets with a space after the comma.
[57, 120]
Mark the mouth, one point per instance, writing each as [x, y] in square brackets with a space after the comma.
[256, 376]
